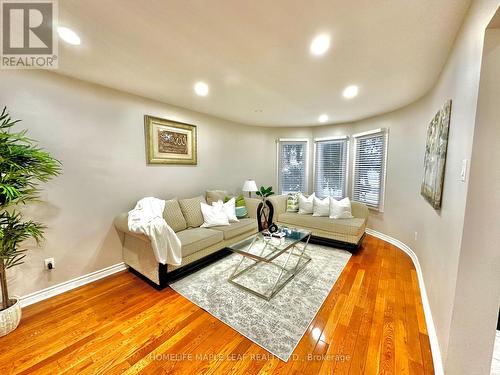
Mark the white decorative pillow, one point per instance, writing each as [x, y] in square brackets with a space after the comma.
[213, 215]
[321, 206]
[340, 209]
[229, 209]
[306, 204]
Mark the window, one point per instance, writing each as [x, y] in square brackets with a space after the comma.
[370, 150]
[292, 165]
[330, 167]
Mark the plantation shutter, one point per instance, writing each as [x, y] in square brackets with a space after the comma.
[330, 167]
[292, 166]
[369, 168]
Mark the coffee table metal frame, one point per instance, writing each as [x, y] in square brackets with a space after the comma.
[285, 275]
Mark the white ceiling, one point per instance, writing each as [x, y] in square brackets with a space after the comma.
[255, 54]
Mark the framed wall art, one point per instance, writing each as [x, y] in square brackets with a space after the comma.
[169, 142]
[435, 156]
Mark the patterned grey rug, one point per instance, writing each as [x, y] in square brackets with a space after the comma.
[277, 325]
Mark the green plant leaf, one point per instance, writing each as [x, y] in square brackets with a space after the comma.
[23, 167]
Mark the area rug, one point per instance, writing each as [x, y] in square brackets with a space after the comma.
[277, 325]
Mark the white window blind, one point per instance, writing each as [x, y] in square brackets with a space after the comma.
[292, 166]
[330, 168]
[369, 168]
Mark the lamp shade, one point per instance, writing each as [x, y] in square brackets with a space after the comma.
[250, 186]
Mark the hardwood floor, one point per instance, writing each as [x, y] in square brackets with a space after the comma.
[372, 322]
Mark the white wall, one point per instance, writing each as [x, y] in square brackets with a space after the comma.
[477, 295]
[406, 212]
[98, 134]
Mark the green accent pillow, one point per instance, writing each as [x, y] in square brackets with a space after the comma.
[240, 201]
[292, 202]
[241, 208]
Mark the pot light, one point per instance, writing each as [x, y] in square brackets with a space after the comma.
[350, 91]
[201, 89]
[320, 44]
[323, 118]
[69, 36]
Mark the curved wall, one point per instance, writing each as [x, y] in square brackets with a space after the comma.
[438, 244]
[477, 296]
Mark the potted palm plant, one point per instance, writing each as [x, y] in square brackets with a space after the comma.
[23, 165]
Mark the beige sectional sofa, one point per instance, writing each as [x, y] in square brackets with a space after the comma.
[343, 233]
[203, 245]
[184, 217]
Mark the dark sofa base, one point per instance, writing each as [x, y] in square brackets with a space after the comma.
[166, 277]
[351, 247]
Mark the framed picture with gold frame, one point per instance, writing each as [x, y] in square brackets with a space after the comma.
[169, 142]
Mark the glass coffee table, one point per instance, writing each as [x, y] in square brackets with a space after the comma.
[268, 263]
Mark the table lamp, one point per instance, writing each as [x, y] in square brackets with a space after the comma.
[250, 186]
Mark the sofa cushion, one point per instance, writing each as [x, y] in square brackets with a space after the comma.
[215, 195]
[306, 204]
[191, 209]
[173, 215]
[292, 202]
[240, 207]
[340, 209]
[353, 227]
[279, 203]
[197, 239]
[235, 229]
[213, 215]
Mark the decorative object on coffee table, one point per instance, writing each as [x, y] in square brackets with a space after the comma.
[435, 156]
[265, 210]
[273, 228]
[169, 142]
[24, 165]
[249, 186]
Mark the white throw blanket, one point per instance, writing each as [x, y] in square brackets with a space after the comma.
[147, 218]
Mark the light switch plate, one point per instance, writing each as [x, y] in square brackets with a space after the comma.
[463, 171]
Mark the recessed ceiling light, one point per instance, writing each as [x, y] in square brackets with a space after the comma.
[201, 88]
[350, 91]
[320, 44]
[68, 35]
[323, 118]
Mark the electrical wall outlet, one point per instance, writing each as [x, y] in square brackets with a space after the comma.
[50, 263]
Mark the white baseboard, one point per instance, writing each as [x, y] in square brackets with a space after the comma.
[431, 329]
[54, 290]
